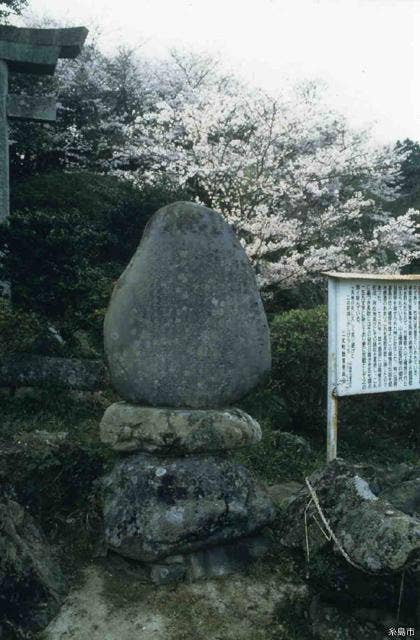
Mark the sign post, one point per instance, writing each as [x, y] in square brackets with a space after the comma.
[373, 338]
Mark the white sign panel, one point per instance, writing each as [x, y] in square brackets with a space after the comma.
[374, 337]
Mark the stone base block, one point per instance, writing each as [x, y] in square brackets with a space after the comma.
[157, 507]
[130, 427]
[213, 562]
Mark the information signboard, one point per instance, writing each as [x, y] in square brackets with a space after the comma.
[373, 338]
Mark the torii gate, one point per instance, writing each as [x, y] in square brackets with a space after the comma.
[33, 51]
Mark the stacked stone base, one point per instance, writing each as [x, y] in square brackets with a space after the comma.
[175, 501]
[212, 562]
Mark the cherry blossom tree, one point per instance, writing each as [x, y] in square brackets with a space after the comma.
[8, 7]
[304, 191]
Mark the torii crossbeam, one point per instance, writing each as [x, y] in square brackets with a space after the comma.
[33, 51]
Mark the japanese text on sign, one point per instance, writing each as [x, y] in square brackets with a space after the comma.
[377, 336]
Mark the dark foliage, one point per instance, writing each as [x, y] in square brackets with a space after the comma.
[299, 376]
[70, 237]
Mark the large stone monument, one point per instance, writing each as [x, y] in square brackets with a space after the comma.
[185, 337]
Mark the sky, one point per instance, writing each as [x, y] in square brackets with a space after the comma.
[367, 51]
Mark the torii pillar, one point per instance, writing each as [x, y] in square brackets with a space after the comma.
[34, 51]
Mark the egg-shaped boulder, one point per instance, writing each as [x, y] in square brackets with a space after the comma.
[185, 326]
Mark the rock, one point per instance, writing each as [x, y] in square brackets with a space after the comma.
[377, 537]
[382, 478]
[168, 572]
[185, 326]
[31, 583]
[156, 507]
[128, 427]
[405, 497]
[26, 370]
[209, 563]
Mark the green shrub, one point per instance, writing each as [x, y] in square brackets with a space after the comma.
[380, 427]
[279, 457]
[299, 351]
[70, 236]
[264, 404]
[25, 332]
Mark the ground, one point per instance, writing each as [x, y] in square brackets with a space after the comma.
[110, 603]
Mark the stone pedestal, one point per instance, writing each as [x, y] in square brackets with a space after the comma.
[129, 427]
[175, 501]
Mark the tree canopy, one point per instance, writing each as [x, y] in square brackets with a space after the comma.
[304, 191]
[7, 7]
